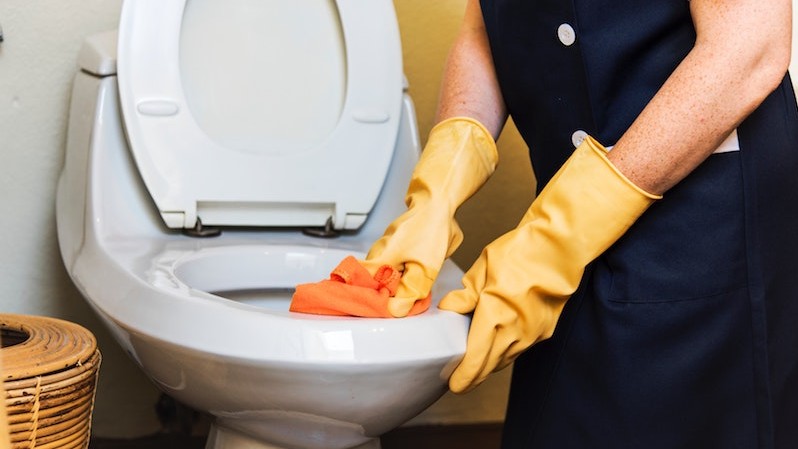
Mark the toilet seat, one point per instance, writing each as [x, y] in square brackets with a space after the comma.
[191, 176]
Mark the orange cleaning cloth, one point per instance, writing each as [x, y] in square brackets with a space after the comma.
[352, 291]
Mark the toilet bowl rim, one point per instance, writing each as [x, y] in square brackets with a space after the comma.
[183, 316]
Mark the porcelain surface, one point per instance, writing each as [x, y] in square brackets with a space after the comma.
[207, 320]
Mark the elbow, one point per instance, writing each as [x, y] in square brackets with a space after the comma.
[767, 70]
[750, 40]
[771, 68]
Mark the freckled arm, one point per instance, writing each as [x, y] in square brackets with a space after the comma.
[741, 53]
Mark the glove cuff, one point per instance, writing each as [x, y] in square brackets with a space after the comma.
[480, 138]
[601, 152]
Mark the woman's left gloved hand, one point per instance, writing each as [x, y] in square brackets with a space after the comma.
[518, 286]
[460, 155]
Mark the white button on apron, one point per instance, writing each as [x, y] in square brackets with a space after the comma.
[566, 34]
[577, 137]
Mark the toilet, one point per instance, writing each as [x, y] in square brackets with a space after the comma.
[218, 154]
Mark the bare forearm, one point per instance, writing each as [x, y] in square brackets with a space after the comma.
[469, 84]
[741, 53]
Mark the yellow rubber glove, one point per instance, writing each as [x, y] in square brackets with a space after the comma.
[458, 158]
[518, 286]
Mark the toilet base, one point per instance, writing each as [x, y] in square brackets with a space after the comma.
[225, 438]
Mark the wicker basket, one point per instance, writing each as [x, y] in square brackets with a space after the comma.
[50, 369]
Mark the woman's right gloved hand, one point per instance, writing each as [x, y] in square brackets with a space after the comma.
[460, 155]
[518, 286]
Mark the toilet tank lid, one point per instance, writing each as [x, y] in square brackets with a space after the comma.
[97, 56]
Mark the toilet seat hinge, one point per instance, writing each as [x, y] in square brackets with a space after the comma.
[202, 231]
[326, 232]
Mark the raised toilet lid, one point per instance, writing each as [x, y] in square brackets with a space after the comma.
[261, 112]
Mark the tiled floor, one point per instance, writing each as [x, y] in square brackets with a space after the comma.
[461, 437]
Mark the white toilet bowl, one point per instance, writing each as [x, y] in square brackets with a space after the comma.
[288, 379]
[207, 318]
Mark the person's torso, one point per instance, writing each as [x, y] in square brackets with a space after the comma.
[567, 69]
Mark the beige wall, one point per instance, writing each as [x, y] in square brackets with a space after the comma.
[37, 63]
[428, 29]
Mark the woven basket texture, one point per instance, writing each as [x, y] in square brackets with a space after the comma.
[49, 368]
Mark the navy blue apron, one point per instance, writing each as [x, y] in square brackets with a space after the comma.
[684, 334]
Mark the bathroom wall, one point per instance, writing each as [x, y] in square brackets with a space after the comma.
[37, 63]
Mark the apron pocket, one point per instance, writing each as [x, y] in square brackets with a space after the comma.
[689, 245]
